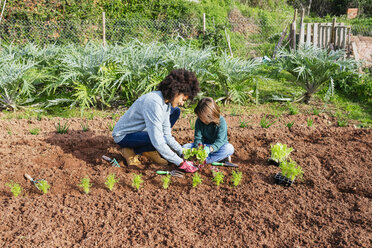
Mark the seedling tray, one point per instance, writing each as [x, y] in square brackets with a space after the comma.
[282, 180]
[273, 162]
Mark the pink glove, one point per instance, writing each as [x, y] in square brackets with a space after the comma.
[188, 166]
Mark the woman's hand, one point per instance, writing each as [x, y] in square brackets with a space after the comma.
[188, 166]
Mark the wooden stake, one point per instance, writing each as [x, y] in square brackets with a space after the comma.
[204, 23]
[104, 28]
[280, 42]
[228, 42]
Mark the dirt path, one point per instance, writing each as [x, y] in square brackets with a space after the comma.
[331, 207]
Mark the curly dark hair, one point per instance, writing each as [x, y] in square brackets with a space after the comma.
[179, 81]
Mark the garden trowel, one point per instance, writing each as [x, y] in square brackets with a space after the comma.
[226, 164]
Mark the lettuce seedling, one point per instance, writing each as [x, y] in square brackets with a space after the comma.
[218, 177]
[196, 180]
[280, 152]
[166, 181]
[15, 188]
[85, 184]
[291, 170]
[198, 155]
[236, 177]
[43, 186]
[137, 181]
[111, 181]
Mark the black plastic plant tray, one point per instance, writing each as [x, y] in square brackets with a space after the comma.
[282, 180]
[273, 162]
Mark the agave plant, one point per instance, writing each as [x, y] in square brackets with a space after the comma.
[313, 68]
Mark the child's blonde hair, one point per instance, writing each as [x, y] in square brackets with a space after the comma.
[208, 109]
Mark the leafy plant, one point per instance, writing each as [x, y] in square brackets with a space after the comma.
[166, 181]
[342, 123]
[314, 68]
[196, 180]
[192, 123]
[43, 186]
[34, 131]
[309, 122]
[290, 169]
[111, 181]
[85, 184]
[265, 123]
[290, 124]
[236, 177]
[137, 181]
[15, 188]
[218, 177]
[198, 155]
[280, 152]
[62, 128]
[111, 126]
[316, 111]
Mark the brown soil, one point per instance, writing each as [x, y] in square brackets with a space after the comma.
[331, 207]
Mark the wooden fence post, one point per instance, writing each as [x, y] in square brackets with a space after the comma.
[308, 34]
[279, 44]
[104, 29]
[333, 34]
[204, 24]
[302, 29]
[315, 35]
[292, 31]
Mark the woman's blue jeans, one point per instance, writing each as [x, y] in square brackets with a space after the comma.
[140, 141]
[224, 151]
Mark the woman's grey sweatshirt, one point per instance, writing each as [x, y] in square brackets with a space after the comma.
[150, 113]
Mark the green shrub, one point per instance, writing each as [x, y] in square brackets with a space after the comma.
[15, 188]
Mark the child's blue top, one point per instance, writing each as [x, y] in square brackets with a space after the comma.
[150, 113]
[215, 135]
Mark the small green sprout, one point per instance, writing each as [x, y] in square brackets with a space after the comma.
[218, 177]
[111, 126]
[316, 111]
[15, 188]
[280, 152]
[236, 177]
[293, 110]
[196, 180]
[342, 123]
[43, 186]
[243, 124]
[85, 184]
[290, 124]
[265, 123]
[34, 131]
[84, 126]
[309, 122]
[111, 181]
[137, 181]
[62, 128]
[192, 123]
[39, 116]
[166, 181]
[290, 170]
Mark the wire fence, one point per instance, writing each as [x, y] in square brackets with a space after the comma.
[250, 37]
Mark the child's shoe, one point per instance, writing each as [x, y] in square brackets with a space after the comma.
[155, 157]
[130, 157]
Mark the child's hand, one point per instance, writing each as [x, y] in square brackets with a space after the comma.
[208, 149]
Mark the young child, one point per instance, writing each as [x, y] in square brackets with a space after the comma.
[211, 132]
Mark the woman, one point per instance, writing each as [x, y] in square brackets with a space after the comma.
[145, 129]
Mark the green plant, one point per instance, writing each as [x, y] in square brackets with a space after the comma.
[218, 177]
[15, 188]
[137, 181]
[265, 123]
[62, 128]
[166, 181]
[111, 181]
[198, 155]
[43, 186]
[280, 152]
[293, 110]
[290, 124]
[236, 177]
[196, 180]
[316, 111]
[85, 184]
[34, 131]
[39, 116]
[290, 169]
[111, 126]
[192, 123]
[342, 122]
[243, 124]
[309, 122]
[84, 126]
